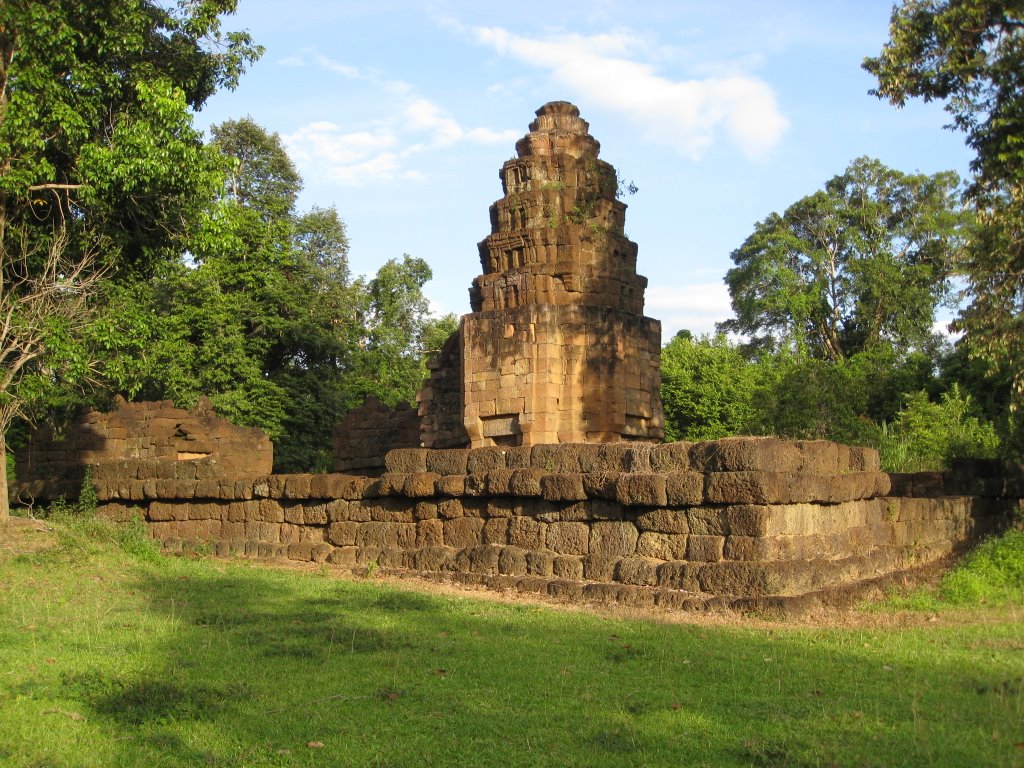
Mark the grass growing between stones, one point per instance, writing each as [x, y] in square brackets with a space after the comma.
[111, 656]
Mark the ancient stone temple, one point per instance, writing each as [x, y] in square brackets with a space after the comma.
[557, 348]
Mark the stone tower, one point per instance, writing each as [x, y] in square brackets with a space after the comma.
[556, 348]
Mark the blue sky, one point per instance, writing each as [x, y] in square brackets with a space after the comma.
[401, 113]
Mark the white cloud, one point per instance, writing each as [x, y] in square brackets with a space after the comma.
[687, 115]
[382, 151]
[696, 307]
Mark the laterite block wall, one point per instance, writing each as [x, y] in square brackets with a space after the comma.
[738, 521]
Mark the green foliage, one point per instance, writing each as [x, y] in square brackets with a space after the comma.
[95, 126]
[993, 572]
[970, 53]
[860, 264]
[707, 388]
[927, 436]
[81, 533]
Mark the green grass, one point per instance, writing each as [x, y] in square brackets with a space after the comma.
[990, 574]
[111, 656]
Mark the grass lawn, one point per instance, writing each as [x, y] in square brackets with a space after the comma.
[111, 655]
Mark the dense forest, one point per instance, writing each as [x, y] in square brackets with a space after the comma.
[142, 258]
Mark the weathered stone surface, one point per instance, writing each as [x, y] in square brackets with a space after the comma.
[567, 567]
[664, 521]
[704, 548]
[526, 533]
[637, 570]
[684, 489]
[420, 485]
[641, 490]
[406, 460]
[566, 486]
[671, 458]
[613, 538]
[662, 546]
[568, 538]
[526, 482]
[452, 461]
[463, 532]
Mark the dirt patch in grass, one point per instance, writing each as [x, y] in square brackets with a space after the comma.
[24, 536]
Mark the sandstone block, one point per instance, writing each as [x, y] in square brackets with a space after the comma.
[526, 482]
[641, 489]
[563, 487]
[664, 521]
[540, 563]
[526, 533]
[613, 538]
[684, 489]
[451, 485]
[315, 514]
[425, 510]
[406, 460]
[390, 510]
[463, 532]
[391, 483]
[662, 546]
[747, 487]
[567, 567]
[512, 561]
[623, 457]
[347, 487]
[420, 485]
[429, 533]
[638, 571]
[482, 559]
[392, 535]
[297, 486]
[475, 485]
[450, 461]
[450, 509]
[434, 558]
[707, 549]
[499, 482]
[736, 454]
[600, 567]
[709, 521]
[342, 534]
[600, 485]
[568, 538]
[671, 458]
[495, 531]
[483, 460]
[342, 556]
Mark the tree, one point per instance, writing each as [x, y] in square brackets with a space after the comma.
[707, 388]
[100, 168]
[970, 54]
[861, 263]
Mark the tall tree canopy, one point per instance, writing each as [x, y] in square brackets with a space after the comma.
[970, 54]
[860, 263]
[100, 167]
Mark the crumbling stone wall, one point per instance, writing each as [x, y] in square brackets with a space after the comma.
[52, 465]
[737, 522]
[440, 399]
[368, 432]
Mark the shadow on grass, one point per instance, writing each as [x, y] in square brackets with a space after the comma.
[267, 662]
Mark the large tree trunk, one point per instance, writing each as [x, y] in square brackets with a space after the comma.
[5, 502]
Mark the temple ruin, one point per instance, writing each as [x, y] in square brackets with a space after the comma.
[556, 349]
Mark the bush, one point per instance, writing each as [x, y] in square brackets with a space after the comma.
[927, 436]
[993, 572]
